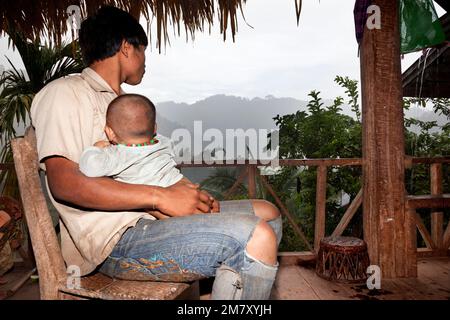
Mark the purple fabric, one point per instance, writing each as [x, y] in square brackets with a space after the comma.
[360, 15]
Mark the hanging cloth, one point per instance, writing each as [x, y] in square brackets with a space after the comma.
[360, 16]
[420, 26]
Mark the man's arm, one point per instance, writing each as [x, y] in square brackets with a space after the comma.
[68, 184]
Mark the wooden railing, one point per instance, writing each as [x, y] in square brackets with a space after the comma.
[437, 241]
[252, 173]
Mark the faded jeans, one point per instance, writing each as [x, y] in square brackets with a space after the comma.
[181, 249]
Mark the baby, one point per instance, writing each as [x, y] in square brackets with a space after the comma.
[134, 153]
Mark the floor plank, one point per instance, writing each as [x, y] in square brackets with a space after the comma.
[423, 290]
[296, 282]
[290, 285]
[432, 272]
[324, 289]
[442, 263]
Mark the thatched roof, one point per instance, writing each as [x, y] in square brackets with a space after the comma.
[49, 17]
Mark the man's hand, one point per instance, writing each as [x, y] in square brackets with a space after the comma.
[214, 204]
[182, 199]
[102, 144]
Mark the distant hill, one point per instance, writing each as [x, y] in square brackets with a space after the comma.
[231, 112]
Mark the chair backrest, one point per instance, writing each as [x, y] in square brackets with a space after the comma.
[46, 248]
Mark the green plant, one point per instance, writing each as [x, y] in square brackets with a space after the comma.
[43, 64]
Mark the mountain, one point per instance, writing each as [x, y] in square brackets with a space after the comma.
[230, 112]
[166, 126]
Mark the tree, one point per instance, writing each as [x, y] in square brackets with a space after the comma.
[429, 140]
[43, 64]
[320, 132]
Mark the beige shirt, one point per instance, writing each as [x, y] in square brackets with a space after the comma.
[69, 115]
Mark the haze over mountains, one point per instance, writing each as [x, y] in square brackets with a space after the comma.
[225, 112]
[231, 112]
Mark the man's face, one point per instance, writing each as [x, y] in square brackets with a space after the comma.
[135, 65]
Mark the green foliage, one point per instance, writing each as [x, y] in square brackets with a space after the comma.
[43, 64]
[321, 132]
[223, 179]
[431, 140]
[351, 87]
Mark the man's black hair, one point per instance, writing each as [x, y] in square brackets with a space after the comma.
[102, 34]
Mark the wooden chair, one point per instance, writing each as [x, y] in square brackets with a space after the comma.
[53, 279]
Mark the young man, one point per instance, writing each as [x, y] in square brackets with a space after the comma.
[104, 223]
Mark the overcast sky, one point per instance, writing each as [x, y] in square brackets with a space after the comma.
[275, 57]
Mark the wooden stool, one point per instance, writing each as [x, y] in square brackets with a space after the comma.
[342, 259]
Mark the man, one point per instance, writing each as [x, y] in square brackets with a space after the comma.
[104, 223]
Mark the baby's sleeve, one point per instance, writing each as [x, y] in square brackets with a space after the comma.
[98, 162]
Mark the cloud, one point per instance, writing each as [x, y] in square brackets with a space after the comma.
[274, 57]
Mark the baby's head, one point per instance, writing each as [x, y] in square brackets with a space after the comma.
[130, 118]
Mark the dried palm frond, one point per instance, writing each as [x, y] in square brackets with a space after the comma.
[298, 9]
[49, 18]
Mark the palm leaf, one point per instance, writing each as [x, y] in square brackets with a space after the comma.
[221, 181]
[42, 65]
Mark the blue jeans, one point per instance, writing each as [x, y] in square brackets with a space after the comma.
[188, 248]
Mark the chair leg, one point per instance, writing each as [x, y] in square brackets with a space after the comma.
[191, 293]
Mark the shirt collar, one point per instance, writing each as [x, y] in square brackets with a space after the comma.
[96, 81]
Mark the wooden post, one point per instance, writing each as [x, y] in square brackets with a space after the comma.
[386, 224]
[321, 198]
[251, 181]
[437, 217]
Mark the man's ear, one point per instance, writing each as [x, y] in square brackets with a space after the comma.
[125, 48]
[110, 134]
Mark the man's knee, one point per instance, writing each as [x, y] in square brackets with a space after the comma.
[265, 232]
[263, 243]
[265, 210]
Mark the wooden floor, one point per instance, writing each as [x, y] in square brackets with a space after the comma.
[301, 283]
